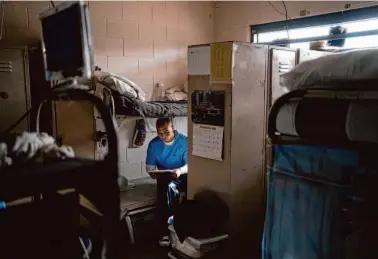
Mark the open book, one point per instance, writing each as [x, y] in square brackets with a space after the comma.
[159, 171]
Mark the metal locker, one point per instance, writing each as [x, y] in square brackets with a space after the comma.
[14, 90]
[282, 61]
[240, 72]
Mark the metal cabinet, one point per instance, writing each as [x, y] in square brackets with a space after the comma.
[239, 70]
[14, 90]
[282, 60]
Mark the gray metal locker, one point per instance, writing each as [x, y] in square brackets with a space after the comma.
[282, 60]
[14, 90]
[239, 70]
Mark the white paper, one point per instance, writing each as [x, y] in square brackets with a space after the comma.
[199, 60]
[208, 141]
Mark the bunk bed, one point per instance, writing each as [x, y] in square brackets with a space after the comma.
[152, 109]
[125, 98]
[126, 102]
[323, 170]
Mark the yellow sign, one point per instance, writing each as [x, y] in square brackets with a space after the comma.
[221, 61]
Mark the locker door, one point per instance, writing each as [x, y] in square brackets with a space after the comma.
[13, 91]
[282, 61]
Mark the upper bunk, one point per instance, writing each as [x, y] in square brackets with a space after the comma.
[330, 100]
[128, 101]
[133, 107]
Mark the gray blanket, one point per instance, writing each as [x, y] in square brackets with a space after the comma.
[134, 107]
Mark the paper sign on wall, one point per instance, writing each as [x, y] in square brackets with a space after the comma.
[208, 141]
[221, 61]
[199, 60]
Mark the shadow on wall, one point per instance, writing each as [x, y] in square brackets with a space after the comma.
[212, 199]
[205, 216]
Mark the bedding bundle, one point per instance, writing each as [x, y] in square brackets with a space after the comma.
[31, 147]
[118, 84]
[177, 93]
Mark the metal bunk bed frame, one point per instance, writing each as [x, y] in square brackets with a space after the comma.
[352, 184]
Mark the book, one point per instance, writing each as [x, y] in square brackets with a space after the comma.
[159, 171]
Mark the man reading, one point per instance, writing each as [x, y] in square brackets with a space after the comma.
[167, 161]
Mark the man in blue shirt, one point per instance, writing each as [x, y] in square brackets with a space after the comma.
[168, 151]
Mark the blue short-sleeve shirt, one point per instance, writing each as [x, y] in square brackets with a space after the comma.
[168, 157]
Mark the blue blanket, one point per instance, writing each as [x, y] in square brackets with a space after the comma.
[307, 187]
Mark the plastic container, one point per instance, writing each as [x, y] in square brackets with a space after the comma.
[195, 248]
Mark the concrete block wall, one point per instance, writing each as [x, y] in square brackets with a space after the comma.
[144, 41]
[147, 41]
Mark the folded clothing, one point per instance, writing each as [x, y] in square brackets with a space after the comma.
[176, 93]
[176, 96]
[347, 66]
[134, 107]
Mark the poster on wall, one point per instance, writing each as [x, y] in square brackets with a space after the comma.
[208, 107]
[221, 61]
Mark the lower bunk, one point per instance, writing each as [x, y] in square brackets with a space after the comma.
[323, 172]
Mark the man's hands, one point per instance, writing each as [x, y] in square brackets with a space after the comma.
[175, 173]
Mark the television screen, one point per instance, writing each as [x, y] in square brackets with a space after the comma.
[65, 40]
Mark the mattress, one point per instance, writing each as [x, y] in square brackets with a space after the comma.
[348, 66]
[328, 118]
[135, 107]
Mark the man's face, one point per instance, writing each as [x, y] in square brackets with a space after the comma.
[166, 133]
